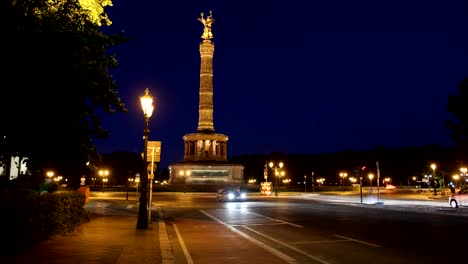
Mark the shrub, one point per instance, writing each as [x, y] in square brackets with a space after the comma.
[29, 217]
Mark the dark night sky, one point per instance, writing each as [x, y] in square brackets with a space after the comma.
[293, 76]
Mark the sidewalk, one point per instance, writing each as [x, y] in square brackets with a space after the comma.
[109, 237]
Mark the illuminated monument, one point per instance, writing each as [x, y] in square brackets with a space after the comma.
[205, 156]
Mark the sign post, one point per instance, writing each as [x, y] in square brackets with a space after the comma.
[154, 155]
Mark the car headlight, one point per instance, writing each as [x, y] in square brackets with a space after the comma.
[243, 195]
[231, 196]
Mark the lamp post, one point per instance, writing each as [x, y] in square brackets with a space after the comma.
[456, 178]
[463, 171]
[103, 174]
[147, 107]
[371, 176]
[137, 183]
[305, 183]
[433, 167]
[128, 186]
[49, 175]
[343, 175]
[313, 188]
[277, 174]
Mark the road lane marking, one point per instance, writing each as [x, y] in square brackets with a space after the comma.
[276, 220]
[320, 241]
[275, 252]
[359, 241]
[182, 244]
[288, 246]
[262, 224]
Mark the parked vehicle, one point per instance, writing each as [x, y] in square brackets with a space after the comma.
[459, 199]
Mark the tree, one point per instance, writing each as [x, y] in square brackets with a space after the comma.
[56, 68]
[458, 122]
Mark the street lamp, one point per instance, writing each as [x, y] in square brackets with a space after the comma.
[305, 183]
[371, 176]
[49, 175]
[277, 174]
[463, 171]
[103, 174]
[104, 180]
[128, 186]
[343, 175]
[456, 178]
[147, 107]
[433, 167]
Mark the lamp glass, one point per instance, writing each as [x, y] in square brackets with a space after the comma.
[147, 103]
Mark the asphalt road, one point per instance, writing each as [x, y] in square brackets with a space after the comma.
[312, 229]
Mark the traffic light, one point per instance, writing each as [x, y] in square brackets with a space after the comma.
[363, 168]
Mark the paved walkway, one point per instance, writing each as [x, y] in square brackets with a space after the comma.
[109, 237]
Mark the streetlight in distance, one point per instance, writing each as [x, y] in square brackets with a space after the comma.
[343, 175]
[128, 186]
[147, 107]
[463, 171]
[49, 175]
[103, 174]
[433, 167]
[277, 174]
[456, 178]
[305, 183]
[371, 176]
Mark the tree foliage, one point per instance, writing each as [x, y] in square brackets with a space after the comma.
[56, 84]
[458, 123]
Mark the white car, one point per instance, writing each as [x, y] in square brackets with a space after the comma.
[459, 199]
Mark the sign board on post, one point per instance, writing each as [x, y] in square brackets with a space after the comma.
[154, 151]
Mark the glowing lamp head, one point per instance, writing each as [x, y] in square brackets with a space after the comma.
[147, 104]
[433, 166]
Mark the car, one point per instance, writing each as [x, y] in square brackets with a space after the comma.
[230, 195]
[459, 199]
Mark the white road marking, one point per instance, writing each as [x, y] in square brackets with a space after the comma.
[359, 241]
[288, 246]
[276, 220]
[275, 252]
[262, 224]
[320, 241]
[182, 244]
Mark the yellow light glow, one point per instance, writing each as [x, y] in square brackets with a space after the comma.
[147, 104]
[50, 174]
[463, 170]
[433, 166]
[371, 176]
[103, 173]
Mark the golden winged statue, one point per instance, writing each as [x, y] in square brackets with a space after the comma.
[207, 23]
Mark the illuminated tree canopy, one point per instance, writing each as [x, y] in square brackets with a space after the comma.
[59, 87]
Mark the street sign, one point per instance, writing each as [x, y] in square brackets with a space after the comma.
[154, 151]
